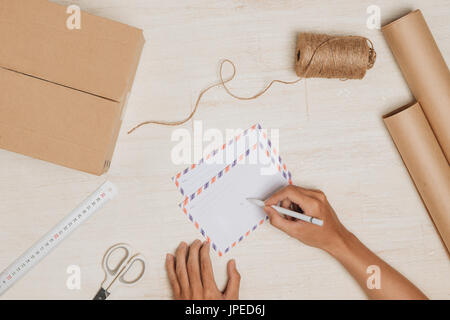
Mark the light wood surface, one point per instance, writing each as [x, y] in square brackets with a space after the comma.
[340, 146]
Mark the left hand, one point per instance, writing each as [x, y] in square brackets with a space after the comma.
[191, 274]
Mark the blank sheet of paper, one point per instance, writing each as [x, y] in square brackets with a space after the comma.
[215, 194]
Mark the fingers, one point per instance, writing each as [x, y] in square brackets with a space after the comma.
[180, 269]
[305, 198]
[206, 268]
[170, 267]
[313, 193]
[279, 222]
[194, 279]
[191, 274]
[286, 203]
[193, 269]
[234, 281]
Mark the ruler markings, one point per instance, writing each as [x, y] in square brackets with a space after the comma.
[56, 235]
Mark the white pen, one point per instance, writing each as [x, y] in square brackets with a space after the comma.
[287, 212]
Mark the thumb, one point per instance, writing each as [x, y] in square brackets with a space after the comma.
[277, 220]
[234, 280]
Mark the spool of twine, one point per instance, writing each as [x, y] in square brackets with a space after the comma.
[341, 57]
[317, 56]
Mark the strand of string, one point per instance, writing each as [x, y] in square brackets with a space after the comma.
[223, 83]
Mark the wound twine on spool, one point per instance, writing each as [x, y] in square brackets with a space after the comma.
[324, 56]
[317, 56]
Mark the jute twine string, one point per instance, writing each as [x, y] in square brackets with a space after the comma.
[343, 57]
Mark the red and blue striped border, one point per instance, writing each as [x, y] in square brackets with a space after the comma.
[176, 177]
[270, 152]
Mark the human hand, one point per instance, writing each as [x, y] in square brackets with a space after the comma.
[191, 274]
[314, 203]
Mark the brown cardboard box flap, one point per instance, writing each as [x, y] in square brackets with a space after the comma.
[98, 58]
[55, 123]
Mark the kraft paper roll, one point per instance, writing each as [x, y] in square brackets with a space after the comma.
[425, 161]
[425, 71]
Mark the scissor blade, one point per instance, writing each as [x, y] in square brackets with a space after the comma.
[102, 294]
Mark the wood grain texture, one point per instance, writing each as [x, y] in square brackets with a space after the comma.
[340, 146]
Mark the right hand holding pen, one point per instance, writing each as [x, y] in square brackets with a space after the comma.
[338, 241]
[314, 203]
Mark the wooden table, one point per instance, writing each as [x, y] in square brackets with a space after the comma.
[340, 146]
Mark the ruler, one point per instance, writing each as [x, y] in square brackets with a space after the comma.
[56, 235]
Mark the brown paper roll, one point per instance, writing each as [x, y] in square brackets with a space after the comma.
[425, 71]
[425, 161]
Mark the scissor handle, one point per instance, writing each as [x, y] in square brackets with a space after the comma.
[136, 258]
[121, 264]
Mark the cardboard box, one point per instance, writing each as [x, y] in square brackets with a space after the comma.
[63, 92]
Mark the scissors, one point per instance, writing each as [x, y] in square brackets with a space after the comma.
[116, 275]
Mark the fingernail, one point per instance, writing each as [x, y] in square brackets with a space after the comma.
[168, 256]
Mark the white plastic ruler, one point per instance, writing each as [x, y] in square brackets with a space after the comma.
[56, 235]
